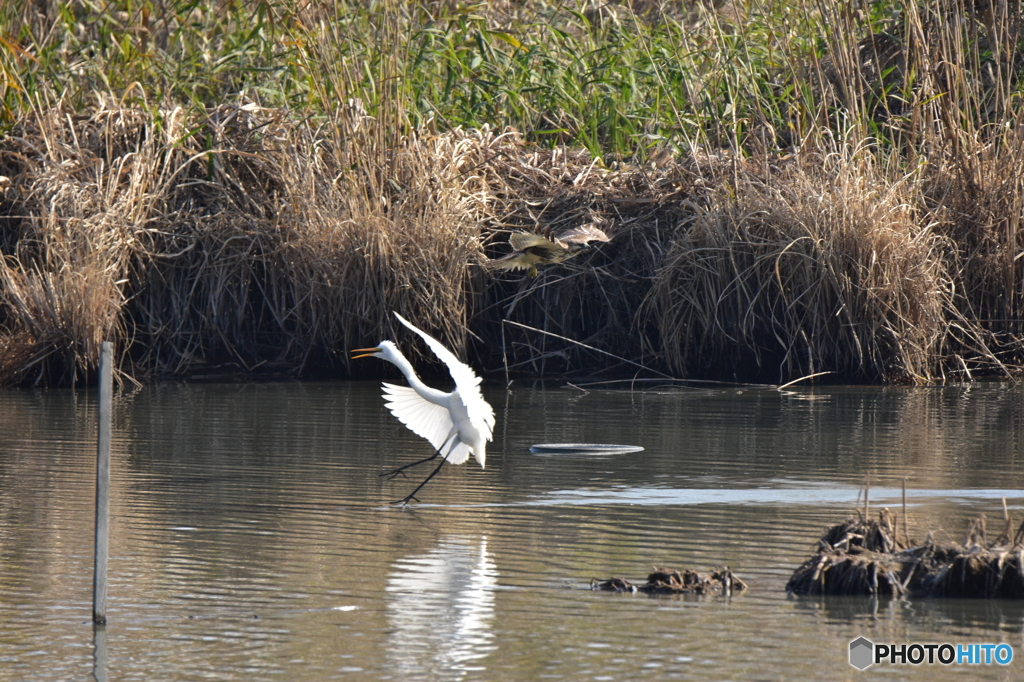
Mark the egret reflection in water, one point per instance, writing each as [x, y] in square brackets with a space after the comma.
[440, 606]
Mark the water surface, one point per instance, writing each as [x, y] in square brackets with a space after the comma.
[252, 537]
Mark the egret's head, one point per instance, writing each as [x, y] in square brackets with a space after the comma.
[386, 351]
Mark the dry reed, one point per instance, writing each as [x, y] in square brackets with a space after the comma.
[864, 557]
[818, 265]
[237, 247]
[247, 243]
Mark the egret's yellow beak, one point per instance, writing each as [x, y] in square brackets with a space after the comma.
[364, 352]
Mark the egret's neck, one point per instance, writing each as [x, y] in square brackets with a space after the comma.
[432, 394]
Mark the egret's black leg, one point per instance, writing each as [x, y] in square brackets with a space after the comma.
[412, 495]
[447, 445]
[401, 470]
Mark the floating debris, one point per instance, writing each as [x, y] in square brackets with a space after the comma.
[612, 585]
[583, 449]
[667, 581]
[864, 556]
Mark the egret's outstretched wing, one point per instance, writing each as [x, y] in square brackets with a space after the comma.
[423, 417]
[466, 382]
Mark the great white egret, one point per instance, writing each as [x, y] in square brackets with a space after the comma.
[530, 249]
[457, 424]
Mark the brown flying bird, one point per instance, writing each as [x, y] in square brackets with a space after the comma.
[531, 249]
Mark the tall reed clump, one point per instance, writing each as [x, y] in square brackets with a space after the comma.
[819, 266]
[971, 63]
[980, 215]
[410, 198]
[241, 249]
[357, 255]
[80, 192]
[235, 238]
[893, 256]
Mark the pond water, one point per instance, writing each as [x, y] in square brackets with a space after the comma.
[252, 537]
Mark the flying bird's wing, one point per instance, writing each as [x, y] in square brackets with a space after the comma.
[466, 382]
[529, 249]
[520, 241]
[517, 260]
[583, 234]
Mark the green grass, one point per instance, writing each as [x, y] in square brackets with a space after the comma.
[616, 81]
[612, 81]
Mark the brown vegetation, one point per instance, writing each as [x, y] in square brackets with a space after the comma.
[854, 211]
[237, 244]
[671, 581]
[865, 557]
[227, 249]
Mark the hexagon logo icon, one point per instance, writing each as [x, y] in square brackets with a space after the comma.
[862, 653]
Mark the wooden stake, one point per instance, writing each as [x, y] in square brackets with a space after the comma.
[99, 652]
[906, 533]
[99, 576]
[1009, 522]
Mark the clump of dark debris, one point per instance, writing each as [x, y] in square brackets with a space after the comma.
[667, 581]
[865, 556]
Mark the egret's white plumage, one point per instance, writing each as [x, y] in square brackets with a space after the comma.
[457, 424]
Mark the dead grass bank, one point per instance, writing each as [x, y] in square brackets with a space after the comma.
[248, 243]
[237, 245]
[824, 265]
